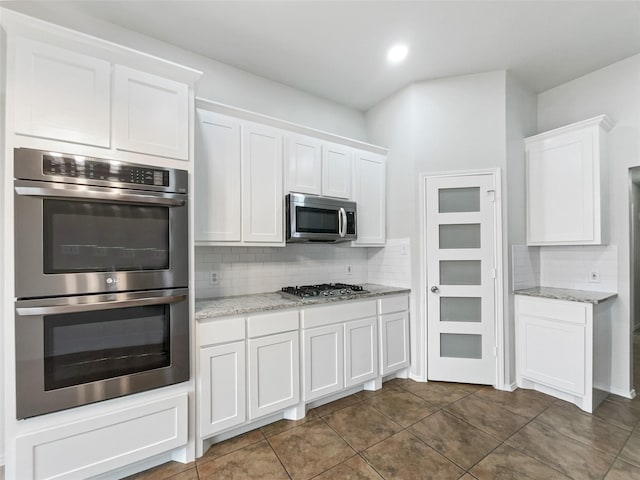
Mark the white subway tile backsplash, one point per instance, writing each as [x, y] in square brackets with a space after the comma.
[244, 270]
[526, 266]
[570, 266]
[391, 265]
[566, 267]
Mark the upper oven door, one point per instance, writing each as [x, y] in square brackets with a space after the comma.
[75, 239]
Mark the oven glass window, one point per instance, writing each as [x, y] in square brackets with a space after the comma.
[104, 237]
[316, 220]
[89, 346]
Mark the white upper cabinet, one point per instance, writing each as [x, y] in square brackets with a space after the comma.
[566, 184]
[336, 170]
[217, 178]
[316, 167]
[61, 94]
[151, 114]
[369, 192]
[262, 196]
[303, 170]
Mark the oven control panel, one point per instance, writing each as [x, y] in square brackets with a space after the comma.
[92, 169]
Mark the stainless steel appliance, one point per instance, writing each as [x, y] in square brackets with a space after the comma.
[71, 351]
[311, 218]
[324, 290]
[87, 225]
[101, 261]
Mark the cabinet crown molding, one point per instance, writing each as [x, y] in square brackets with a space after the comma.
[19, 24]
[604, 122]
[290, 127]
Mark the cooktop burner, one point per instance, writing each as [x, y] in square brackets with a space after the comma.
[324, 290]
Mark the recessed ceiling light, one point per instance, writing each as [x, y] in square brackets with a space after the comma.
[397, 53]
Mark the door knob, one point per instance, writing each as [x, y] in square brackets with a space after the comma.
[434, 289]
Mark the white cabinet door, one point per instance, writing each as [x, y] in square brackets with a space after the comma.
[369, 193]
[360, 351]
[394, 342]
[322, 354]
[273, 373]
[564, 185]
[151, 114]
[303, 165]
[217, 178]
[262, 198]
[61, 94]
[222, 390]
[336, 170]
[552, 343]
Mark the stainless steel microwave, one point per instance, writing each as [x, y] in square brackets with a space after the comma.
[312, 218]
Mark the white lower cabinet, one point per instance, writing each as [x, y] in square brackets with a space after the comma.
[273, 373]
[323, 360]
[273, 363]
[103, 443]
[223, 387]
[394, 342]
[340, 347]
[360, 351]
[563, 348]
[394, 333]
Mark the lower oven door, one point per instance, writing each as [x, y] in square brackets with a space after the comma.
[72, 351]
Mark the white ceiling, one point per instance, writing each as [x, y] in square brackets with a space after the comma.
[336, 49]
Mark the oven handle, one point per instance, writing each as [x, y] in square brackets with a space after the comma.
[57, 309]
[98, 195]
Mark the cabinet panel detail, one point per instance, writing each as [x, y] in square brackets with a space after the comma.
[62, 94]
[222, 395]
[217, 178]
[323, 361]
[151, 114]
[273, 373]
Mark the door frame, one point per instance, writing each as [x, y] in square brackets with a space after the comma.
[498, 254]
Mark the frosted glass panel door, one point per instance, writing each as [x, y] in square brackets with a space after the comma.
[460, 246]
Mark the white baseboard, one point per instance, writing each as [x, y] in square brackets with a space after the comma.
[417, 378]
[623, 393]
[507, 387]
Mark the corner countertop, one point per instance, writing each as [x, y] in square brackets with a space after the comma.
[263, 302]
[584, 296]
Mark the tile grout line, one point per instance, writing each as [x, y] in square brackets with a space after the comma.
[278, 456]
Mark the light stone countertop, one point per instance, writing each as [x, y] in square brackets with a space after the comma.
[584, 296]
[263, 302]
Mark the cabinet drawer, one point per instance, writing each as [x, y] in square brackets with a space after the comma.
[394, 304]
[339, 312]
[221, 331]
[270, 323]
[96, 445]
[573, 312]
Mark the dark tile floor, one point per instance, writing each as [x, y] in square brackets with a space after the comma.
[411, 430]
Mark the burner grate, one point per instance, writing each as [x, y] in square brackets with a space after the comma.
[324, 290]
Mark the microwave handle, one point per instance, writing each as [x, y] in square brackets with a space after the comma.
[90, 194]
[342, 224]
[109, 305]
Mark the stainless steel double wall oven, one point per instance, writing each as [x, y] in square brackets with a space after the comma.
[101, 262]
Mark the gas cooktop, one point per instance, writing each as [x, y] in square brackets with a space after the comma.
[324, 290]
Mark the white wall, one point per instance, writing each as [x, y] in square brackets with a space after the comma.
[2, 234]
[635, 284]
[615, 91]
[220, 82]
[451, 124]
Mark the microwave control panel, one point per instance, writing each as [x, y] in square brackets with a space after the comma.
[61, 166]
